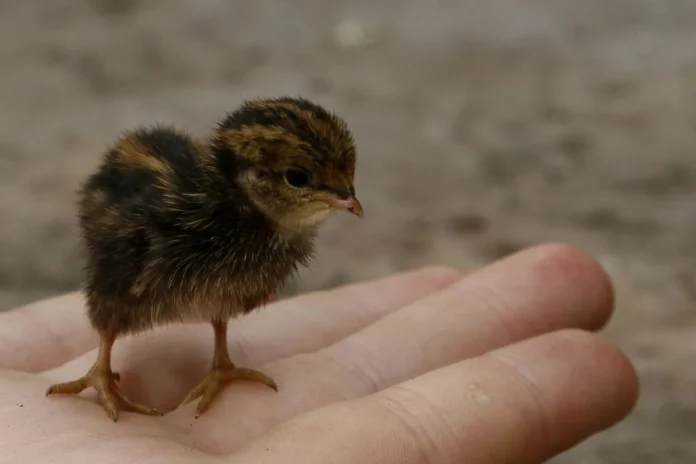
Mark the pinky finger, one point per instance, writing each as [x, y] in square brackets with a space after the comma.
[523, 403]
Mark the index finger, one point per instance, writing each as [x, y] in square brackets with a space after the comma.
[47, 334]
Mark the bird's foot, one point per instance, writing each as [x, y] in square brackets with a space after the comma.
[213, 384]
[110, 395]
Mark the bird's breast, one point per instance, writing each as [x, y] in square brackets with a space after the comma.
[227, 283]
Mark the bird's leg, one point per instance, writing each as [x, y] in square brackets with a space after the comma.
[101, 378]
[221, 372]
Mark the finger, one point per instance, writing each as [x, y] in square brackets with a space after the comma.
[161, 366]
[44, 334]
[308, 322]
[277, 328]
[521, 404]
[539, 290]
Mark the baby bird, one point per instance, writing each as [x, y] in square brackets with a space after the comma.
[178, 229]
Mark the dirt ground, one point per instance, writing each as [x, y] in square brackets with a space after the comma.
[483, 126]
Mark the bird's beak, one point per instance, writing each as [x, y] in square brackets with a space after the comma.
[350, 204]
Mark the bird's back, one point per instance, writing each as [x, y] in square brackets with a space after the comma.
[118, 204]
[144, 169]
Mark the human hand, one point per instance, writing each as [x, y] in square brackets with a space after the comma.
[426, 366]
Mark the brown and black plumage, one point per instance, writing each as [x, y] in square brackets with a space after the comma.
[178, 229]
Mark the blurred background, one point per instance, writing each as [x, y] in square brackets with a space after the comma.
[483, 126]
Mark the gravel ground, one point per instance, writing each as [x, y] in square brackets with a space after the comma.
[538, 120]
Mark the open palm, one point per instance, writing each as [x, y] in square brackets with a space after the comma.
[424, 367]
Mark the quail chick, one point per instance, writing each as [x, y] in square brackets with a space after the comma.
[178, 229]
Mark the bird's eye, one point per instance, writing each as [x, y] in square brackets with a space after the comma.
[297, 178]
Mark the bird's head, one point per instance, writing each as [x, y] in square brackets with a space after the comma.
[294, 159]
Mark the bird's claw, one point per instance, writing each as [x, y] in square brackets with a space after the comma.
[110, 395]
[209, 388]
